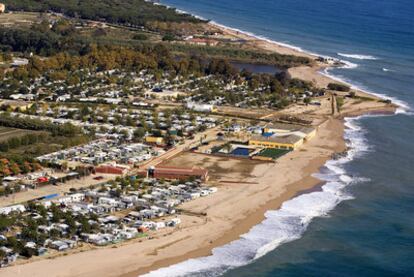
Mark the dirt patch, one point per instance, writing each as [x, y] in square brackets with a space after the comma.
[218, 167]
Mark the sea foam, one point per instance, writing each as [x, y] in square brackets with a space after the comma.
[358, 57]
[348, 64]
[286, 224]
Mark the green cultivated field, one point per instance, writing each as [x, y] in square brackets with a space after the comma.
[273, 153]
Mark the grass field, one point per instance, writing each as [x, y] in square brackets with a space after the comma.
[273, 153]
[7, 133]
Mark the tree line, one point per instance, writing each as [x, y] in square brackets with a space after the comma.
[25, 140]
[243, 55]
[125, 12]
[67, 129]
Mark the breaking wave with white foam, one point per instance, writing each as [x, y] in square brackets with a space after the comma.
[348, 64]
[283, 225]
[358, 57]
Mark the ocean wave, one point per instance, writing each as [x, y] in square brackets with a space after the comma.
[179, 11]
[387, 70]
[358, 57]
[286, 224]
[348, 64]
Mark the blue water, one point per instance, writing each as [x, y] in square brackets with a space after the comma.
[361, 223]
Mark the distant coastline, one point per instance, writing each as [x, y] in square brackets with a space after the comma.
[289, 49]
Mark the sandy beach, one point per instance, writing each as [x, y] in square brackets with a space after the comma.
[231, 212]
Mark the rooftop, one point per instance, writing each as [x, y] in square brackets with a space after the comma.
[290, 127]
[289, 139]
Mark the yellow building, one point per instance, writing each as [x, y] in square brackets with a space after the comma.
[2, 8]
[154, 140]
[310, 134]
[283, 136]
[288, 142]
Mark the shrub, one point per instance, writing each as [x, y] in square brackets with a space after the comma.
[140, 37]
[338, 87]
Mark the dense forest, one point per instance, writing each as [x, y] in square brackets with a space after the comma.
[43, 38]
[125, 12]
[62, 37]
[30, 40]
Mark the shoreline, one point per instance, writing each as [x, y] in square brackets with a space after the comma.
[317, 73]
[243, 226]
[285, 49]
[127, 261]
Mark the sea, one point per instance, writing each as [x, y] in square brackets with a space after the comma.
[361, 221]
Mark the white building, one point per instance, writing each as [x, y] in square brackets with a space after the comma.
[200, 107]
[16, 208]
[77, 197]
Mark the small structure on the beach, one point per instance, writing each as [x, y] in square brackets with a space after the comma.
[2, 8]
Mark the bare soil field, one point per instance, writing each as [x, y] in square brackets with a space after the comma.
[247, 113]
[23, 18]
[219, 168]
